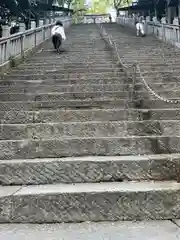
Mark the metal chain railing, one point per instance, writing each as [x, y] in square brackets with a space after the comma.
[113, 46]
[134, 66]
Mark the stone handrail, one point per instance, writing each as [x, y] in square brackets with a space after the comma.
[168, 33]
[17, 45]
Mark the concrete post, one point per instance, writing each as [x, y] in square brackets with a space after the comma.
[22, 27]
[5, 31]
[33, 24]
[41, 23]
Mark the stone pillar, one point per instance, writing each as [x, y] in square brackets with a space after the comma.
[5, 31]
[33, 24]
[41, 23]
[176, 21]
[22, 27]
[6, 34]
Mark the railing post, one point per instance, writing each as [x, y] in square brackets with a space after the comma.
[22, 27]
[6, 34]
[33, 24]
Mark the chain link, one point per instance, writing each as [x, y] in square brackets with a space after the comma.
[136, 66]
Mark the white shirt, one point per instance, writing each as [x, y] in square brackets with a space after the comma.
[59, 30]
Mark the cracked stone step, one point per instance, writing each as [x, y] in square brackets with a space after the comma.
[166, 128]
[159, 167]
[90, 202]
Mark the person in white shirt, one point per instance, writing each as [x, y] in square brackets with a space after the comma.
[140, 28]
[58, 35]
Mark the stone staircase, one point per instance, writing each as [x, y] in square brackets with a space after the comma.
[74, 148]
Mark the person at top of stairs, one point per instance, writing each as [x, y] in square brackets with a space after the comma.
[140, 28]
[58, 35]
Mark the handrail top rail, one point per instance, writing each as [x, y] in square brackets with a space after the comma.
[27, 32]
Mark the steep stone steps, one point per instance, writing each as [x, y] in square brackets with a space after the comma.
[69, 127]
[89, 169]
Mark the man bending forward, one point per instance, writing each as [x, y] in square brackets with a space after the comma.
[58, 35]
[140, 29]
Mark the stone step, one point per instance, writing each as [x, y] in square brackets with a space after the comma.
[68, 76]
[88, 146]
[45, 116]
[42, 86]
[108, 92]
[49, 88]
[93, 129]
[85, 104]
[90, 202]
[120, 230]
[157, 167]
[48, 66]
[115, 114]
[66, 70]
[58, 82]
[67, 104]
[57, 96]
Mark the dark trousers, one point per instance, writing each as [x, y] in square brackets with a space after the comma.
[57, 40]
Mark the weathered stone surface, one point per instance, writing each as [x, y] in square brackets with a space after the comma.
[64, 96]
[47, 116]
[93, 202]
[67, 104]
[64, 147]
[39, 88]
[89, 129]
[63, 76]
[145, 230]
[89, 169]
[6, 202]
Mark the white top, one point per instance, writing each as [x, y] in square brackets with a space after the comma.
[59, 30]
